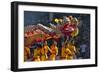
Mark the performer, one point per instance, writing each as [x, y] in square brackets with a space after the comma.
[53, 51]
[67, 54]
[37, 54]
[63, 54]
[72, 48]
[26, 53]
[68, 51]
[44, 51]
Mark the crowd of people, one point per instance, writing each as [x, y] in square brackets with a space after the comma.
[44, 52]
